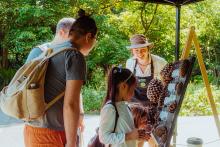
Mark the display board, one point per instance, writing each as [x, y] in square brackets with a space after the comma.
[175, 78]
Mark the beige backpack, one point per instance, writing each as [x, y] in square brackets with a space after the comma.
[23, 98]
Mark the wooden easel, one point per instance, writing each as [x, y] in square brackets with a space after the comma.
[193, 38]
[185, 54]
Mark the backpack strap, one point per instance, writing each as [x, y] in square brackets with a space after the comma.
[49, 53]
[54, 100]
[116, 116]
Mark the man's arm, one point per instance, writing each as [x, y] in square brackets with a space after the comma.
[71, 110]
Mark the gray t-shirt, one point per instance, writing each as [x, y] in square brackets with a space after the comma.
[68, 65]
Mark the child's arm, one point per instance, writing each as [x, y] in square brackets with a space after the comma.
[106, 128]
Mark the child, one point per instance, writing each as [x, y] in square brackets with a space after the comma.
[121, 85]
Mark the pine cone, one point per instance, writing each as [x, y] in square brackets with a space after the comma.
[164, 94]
[164, 138]
[166, 73]
[143, 119]
[172, 107]
[179, 87]
[182, 65]
[160, 130]
[154, 91]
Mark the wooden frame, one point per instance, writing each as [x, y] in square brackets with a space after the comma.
[193, 38]
[185, 54]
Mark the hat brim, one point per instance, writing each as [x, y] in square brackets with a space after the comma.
[136, 46]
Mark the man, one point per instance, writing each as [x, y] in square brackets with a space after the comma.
[62, 35]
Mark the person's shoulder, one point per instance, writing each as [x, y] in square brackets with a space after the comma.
[157, 58]
[44, 47]
[130, 62]
[131, 59]
[108, 108]
[73, 53]
[35, 49]
[35, 52]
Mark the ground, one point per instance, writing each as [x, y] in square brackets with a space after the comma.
[202, 127]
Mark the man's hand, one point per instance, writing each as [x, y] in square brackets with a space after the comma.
[81, 123]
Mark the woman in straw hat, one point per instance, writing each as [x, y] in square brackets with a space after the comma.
[145, 67]
[143, 64]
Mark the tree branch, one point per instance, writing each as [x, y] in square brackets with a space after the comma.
[155, 12]
[143, 22]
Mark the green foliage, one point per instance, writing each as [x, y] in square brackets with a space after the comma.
[25, 24]
[93, 93]
[196, 101]
[5, 76]
[92, 99]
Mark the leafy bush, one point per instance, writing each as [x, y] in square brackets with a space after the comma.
[196, 100]
[5, 76]
[94, 91]
[92, 99]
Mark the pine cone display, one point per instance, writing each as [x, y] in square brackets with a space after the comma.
[155, 91]
[166, 73]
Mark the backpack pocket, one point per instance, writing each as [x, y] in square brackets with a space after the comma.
[35, 102]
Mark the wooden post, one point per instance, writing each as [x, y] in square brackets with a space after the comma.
[174, 135]
[192, 37]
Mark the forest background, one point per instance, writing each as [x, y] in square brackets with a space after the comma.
[25, 24]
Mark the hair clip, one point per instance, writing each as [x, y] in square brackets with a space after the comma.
[120, 68]
[128, 77]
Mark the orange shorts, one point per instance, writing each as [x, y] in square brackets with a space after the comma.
[43, 137]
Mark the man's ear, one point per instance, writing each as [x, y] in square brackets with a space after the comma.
[88, 37]
[61, 32]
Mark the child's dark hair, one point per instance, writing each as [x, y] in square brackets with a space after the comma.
[116, 76]
[83, 25]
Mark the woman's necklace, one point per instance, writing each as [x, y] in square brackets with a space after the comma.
[145, 64]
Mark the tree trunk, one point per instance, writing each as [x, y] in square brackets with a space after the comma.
[4, 58]
[106, 69]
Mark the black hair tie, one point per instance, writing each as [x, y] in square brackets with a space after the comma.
[81, 13]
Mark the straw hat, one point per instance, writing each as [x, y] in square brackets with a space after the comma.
[139, 41]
